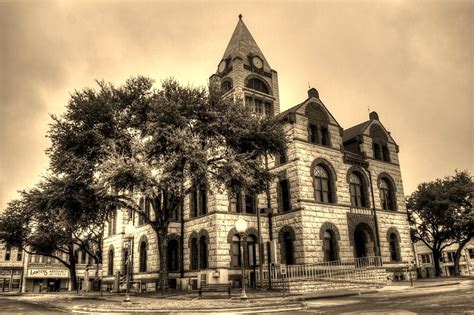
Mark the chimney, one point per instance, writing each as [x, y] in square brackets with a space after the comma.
[312, 92]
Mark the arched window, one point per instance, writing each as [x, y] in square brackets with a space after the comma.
[386, 195]
[377, 151]
[250, 203]
[257, 85]
[203, 255]
[330, 248]
[110, 267]
[226, 86]
[194, 254]
[287, 250]
[357, 190]
[394, 248]
[251, 251]
[143, 256]
[236, 254]
[385, 153]
[322, 185]
[173, 262]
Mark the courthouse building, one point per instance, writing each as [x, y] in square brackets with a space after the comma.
[338, 196]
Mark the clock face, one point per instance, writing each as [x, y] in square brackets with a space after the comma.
[222, 66]
[257, 62]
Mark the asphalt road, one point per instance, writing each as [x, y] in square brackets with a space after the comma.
[458, 299]
[10, 306]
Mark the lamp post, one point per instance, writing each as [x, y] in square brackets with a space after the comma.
[241, 227]
[129, 229]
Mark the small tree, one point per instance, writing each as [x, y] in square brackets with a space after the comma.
[161, 144]
[439, 212]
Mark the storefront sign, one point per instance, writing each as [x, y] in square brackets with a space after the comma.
[48, 273]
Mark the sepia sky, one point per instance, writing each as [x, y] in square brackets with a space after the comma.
[411, 61]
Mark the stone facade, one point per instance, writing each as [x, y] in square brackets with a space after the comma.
[308, 224]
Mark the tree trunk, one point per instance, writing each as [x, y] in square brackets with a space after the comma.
[162, 251]
[72, 269]
[457, 256]
[436, 257]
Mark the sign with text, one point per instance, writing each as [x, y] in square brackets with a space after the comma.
[47, 273]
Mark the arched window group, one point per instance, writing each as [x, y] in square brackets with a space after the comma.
[324, 186]
[199, 251]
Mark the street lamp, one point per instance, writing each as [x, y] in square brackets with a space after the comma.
[129, 229]
[241, 227]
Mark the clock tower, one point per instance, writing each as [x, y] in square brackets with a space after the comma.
[245, 72]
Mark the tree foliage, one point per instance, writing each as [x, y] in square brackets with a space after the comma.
[441, 214]
[160, 143]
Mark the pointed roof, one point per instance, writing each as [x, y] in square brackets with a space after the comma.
[354, 131]
[242, 44]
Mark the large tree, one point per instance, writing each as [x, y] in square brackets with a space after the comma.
[56, 218]
[163, 143]
[440, 213]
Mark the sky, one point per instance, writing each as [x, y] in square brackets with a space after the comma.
[411, 61]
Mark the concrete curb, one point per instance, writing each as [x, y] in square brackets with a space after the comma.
[256, 309]
[335, 295]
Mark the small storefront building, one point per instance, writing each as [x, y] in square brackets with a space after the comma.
[38, 280]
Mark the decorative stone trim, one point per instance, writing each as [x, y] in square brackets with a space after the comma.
[353, 220]
[329, 226]
[285, 229]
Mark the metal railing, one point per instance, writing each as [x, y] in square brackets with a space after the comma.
[354, 270]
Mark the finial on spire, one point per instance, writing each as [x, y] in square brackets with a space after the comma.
[240, 16]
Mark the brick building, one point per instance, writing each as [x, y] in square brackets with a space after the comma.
[338, 196]
[11, 268]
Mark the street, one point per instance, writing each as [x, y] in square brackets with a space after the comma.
[10, 306]
[432, 300]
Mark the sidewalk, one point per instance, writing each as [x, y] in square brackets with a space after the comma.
[179, 301]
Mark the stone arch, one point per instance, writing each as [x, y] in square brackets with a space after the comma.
[332, 173]
[392, 230]
[173, 237]
[283, 230]
[364, 241]
[143, 238]
[353, 220]
[329, 226]
[194, 236]
[333, 243]
[227, 84]
[251, 231]
[205, 233]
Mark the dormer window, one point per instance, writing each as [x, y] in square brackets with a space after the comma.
[318, 129]
[379, 143]
[258, 85]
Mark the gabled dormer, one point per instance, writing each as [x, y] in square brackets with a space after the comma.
[371, 140]
[245, 73]
[313, 123]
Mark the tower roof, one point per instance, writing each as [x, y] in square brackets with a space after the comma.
[242, 44]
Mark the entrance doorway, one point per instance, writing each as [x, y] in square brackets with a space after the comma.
[363, 241]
